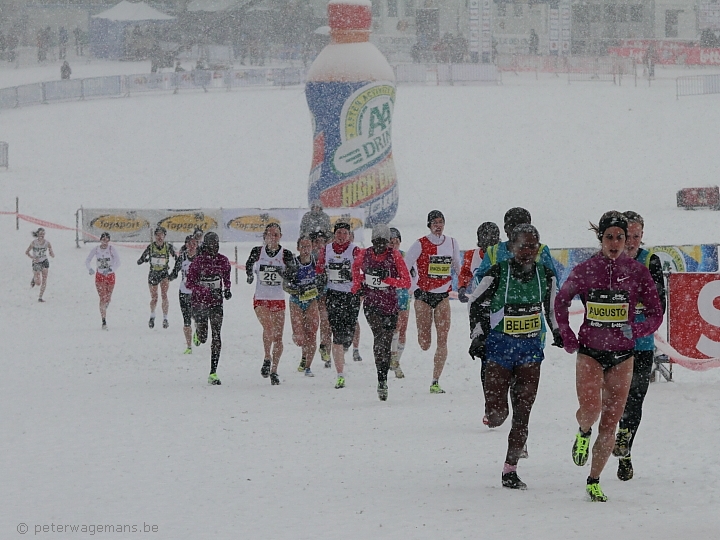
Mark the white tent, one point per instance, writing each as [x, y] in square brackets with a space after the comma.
[133, 12]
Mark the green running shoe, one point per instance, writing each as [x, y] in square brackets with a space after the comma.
[622, 443]
[595, 492]
[625, 469]
[382, 391]
[196, 340]
[214, 380]
[435, 388]
[580, 448]
[301, 367]
[340, 382]
[188, 351]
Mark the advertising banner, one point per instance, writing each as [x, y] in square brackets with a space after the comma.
[474, 27]
[669, 53]
[486, 31]
[554, 30]
[700, 258]
[248, 224]
[693, 316]
[565, 24]
[132, 225]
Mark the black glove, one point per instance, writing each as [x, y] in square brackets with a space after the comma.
[557, 339]
[462, 296]
[172, 276]
[250, 278]
[227, 294]
[140, 261]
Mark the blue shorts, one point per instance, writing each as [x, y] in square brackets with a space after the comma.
[302, 305]
[403, 296]
[510, 352]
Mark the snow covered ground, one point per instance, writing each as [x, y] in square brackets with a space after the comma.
[120, 428]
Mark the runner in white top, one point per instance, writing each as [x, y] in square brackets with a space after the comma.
[269, 262]
[107, 261]
[434, 256]
[182, 265]
[40, 249]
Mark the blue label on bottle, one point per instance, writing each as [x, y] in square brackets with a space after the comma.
[352, 147]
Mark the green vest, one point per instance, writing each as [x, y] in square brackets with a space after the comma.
[159, 257]
[516, 307]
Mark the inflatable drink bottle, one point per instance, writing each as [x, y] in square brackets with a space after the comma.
[350, 90]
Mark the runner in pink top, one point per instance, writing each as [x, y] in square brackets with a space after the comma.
[610, 285]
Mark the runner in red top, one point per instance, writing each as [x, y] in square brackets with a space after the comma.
[434, 256]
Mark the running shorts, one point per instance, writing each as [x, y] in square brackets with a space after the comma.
[186, 308]
[105, 279]
[403, 296]
[272, 305]
[38, 267]
[431, 299]
[510, 352]
[343, 309]
[607, 359]
[154, 278]
[299, 303]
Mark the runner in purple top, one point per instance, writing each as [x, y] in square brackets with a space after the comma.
[377, 274]
[209, 280]
[610, 285]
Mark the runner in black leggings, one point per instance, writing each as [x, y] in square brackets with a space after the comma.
[209, 280]
[644, 352]
[377, 273]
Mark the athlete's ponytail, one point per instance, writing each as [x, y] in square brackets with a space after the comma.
[37, 233]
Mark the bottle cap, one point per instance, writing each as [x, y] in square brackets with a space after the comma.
[349, 14]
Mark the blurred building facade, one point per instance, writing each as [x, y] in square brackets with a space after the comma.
[423, 30]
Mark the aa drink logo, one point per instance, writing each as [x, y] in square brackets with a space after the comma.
[694, 314]
[365, 123]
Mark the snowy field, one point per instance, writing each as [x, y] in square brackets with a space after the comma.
[119, 428]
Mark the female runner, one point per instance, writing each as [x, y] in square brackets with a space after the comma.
[40, 248]
[434, 256]
[108, 261]
[404, 298]
[301, 284]
[158, 254]
[644, 351]
[377, 273]
[608, 284]
[182, 264]
[517, 289]
[209, 280]
[269, 262]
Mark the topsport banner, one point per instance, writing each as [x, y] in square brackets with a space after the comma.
[700, 258]
[248, 224]
[133, 225]
[231, 224]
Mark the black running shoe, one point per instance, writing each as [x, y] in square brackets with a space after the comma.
[265, 371]
[382, 391]
[151, 322]
[274, 379]
[625, 469]
[511, 480]
[165, 323]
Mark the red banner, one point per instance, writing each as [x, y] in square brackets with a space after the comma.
[694, 314]
[668, 52]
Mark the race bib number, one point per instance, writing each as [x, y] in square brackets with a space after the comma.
[158, 262]
[439, 266]
[375, 282]
[607, 309]
[211, 283]
[522, 320]
[339, 272]
[270, 275]
[39, 252]
[103, 264]
[307, 295]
